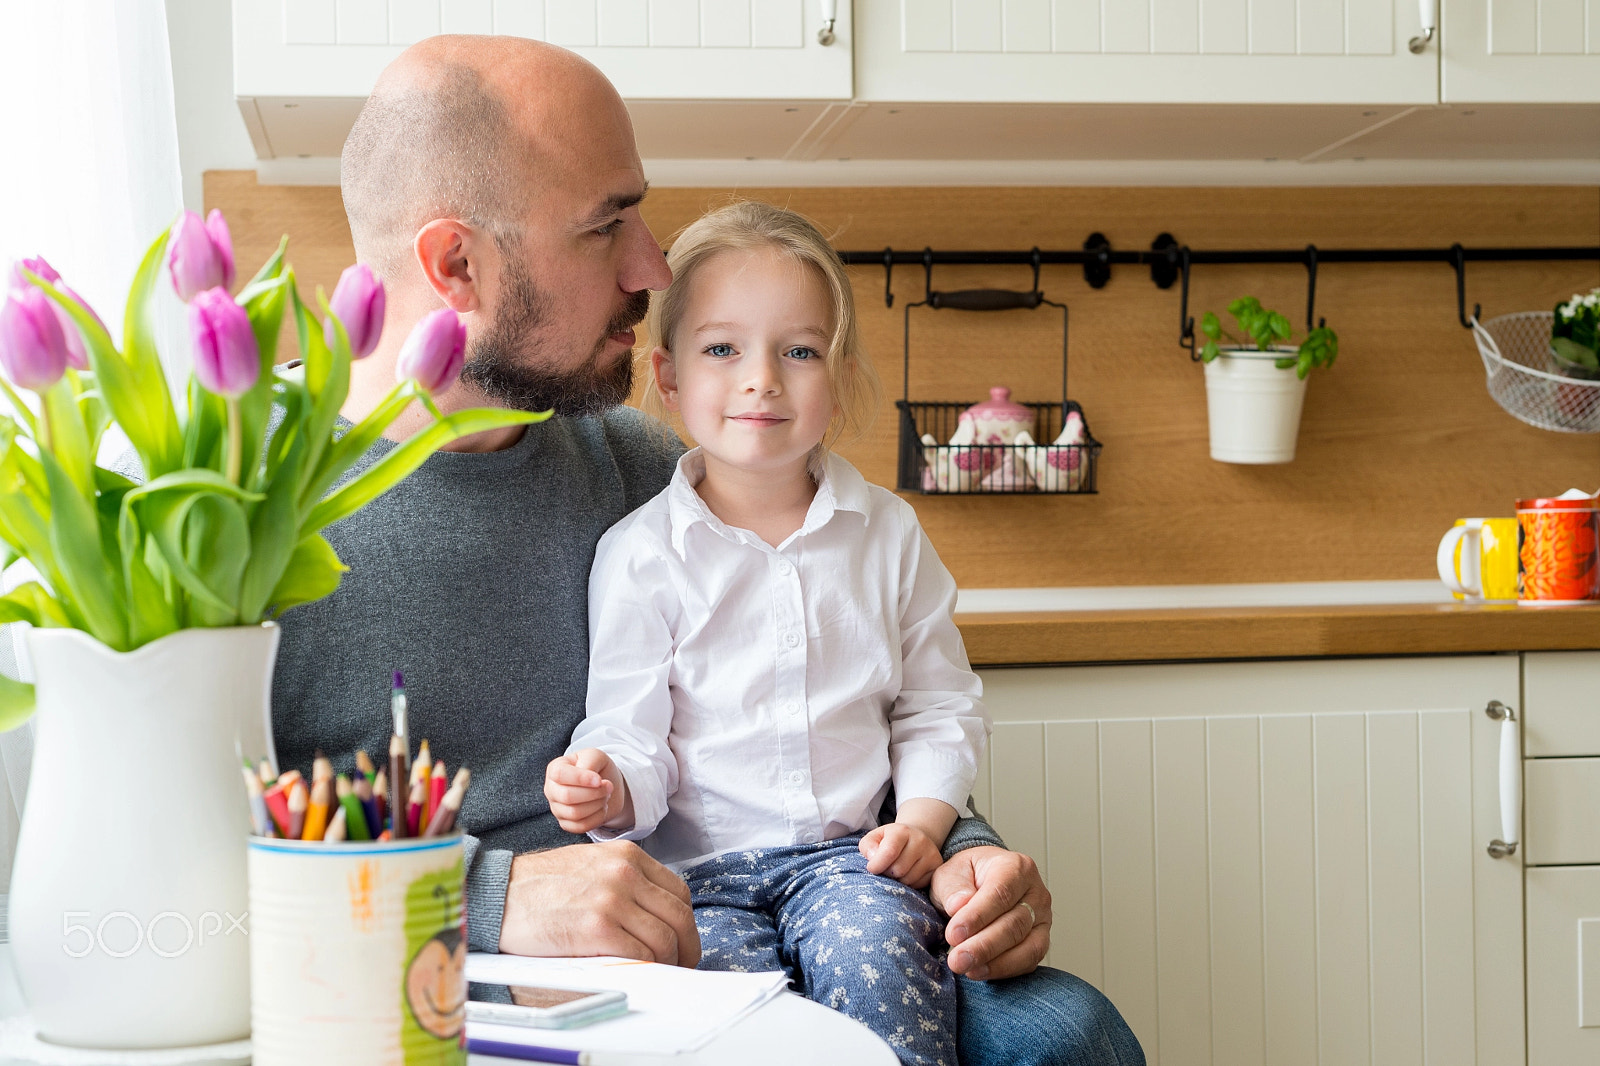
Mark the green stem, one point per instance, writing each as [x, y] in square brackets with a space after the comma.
[235, 441]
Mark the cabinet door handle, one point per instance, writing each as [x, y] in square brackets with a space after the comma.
[830, 16]
[1428, 12]
[1510, 780]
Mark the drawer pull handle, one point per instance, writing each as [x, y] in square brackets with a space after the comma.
[1510, 781]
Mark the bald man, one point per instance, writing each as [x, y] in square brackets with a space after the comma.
[498, 177]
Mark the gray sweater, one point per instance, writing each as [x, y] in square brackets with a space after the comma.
[472, 577]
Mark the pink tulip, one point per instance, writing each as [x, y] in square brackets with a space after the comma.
[77, 355]
[33, 351]
[435, 352]
[201, 255]
[39, 265]
[358, 303]
[226, 358]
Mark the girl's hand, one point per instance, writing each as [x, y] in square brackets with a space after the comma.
[586, 791]
[902, 852]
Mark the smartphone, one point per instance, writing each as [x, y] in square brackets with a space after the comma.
[541, 1008]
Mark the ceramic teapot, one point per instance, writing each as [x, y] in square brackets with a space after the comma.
[997, 420]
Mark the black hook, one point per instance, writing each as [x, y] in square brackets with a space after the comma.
[888, 277]
[1185, 323]
[1311, 288]
[1458, 260]
[1097, 271]
[1164, 260]
[927, 270]
[1037, 258]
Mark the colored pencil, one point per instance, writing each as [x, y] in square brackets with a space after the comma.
[380, 795]
[278, 806]
[463, 779]
[287, 778]
[414, 803]
[398, 776]
[369, 805]
[422, 765]
[355, 822]
[260, 820]
[364, 764]
[336, 830]
[397, 711]
[322, 769]
[444, 819]
[267, 774]
[317, 810]
[438, 784]
[297, 811]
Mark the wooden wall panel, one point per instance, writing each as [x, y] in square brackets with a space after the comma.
[1396, 441]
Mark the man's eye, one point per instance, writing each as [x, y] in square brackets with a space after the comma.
[609, 228]
[719, 351]
[802, 353]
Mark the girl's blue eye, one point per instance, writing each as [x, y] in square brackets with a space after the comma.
[719, 351]
[802, 353]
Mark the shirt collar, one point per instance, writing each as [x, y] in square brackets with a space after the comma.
[840, 487]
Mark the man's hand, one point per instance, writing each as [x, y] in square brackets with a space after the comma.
[598, 899]
[587, 791]
[902, 852]
[999, 912]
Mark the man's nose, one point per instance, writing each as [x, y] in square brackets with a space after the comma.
[644, 265]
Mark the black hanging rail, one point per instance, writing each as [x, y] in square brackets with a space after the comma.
[1170, 263]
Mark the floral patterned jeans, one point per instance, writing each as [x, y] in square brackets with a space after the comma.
[864, 945]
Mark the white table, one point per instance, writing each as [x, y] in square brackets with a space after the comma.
[788, 1031]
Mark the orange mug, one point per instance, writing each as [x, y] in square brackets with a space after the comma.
[1558, 550]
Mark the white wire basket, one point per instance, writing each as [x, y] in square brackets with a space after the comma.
[1525, 378]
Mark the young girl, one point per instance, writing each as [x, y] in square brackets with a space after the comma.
[771, 649]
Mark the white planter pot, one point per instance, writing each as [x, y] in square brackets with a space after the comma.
[128, 907]
[1253, 407]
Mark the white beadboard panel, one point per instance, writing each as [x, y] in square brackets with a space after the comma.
[412, 20]
[1289, 888]
[1175, 26]
[777, 24]
[1027, 25]
[1225, 27]
[1321, 27]
[1594, 27]
[623, 24]
[1127, 872]
[725, 23]
[1513, 27]
[1238, 979]
[1444, 760]
[1016, 785]
[309, 22]
[1272, 27]
[1394, 826]
[1126, 26]
[466, 16]
[1075, 25]
[1183, 933]
[976, 25]
[520, 18]
[571, 23]
[1369, 27]
[674, 23]
[1343, 966]
[1561, 30]
[362, 21]
[926, 25]
[1072, 848]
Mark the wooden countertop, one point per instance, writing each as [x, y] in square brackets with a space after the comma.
[1004, 639]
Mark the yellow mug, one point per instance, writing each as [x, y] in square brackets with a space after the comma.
[1478, 559]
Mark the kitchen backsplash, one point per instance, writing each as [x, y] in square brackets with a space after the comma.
[1397, 440]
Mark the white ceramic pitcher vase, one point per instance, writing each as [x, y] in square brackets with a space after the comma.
[128, 907]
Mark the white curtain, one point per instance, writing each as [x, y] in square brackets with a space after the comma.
[89, 175]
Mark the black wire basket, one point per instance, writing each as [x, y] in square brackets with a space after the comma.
[930, 464]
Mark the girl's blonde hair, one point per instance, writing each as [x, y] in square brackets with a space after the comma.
[748, 225]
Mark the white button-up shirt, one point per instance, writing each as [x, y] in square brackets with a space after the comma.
[755, 696]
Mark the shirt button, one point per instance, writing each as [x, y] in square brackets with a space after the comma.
[792, 639]
[797, 778]
[785, 569]
[791, 708]
[808, 838]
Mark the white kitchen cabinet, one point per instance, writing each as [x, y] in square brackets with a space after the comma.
[1278, 862]
[1144, 51]
[303, 67]
[1521, 51]
[1563, 965]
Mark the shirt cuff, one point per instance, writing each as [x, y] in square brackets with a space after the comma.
[649, 806]
[488, 879]
[933, 775]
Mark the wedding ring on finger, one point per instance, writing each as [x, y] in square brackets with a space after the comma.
[1033, 918]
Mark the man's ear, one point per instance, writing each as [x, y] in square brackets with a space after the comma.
[665, 376]
[450, 253]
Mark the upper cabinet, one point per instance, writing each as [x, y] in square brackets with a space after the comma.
[1522, 51]
[1144, 51]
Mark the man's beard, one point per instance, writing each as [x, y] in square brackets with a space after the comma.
[498, 361]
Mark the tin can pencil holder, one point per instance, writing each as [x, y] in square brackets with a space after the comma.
[357, 952]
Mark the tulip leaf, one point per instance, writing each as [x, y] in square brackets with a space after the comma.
[16, 703]
[264, 303]
[388, 471]
[272, 527]
[32, 603]
[148, 379]
[164, 509]
[68, 439]
[313, 572]
[203, 434]
[362, 436]
[270, 271]
[216, 543]
[151, 611]
[325, 386]
[75, 543]
[24, 412]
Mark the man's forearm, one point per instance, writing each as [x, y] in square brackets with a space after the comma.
[488, 875]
